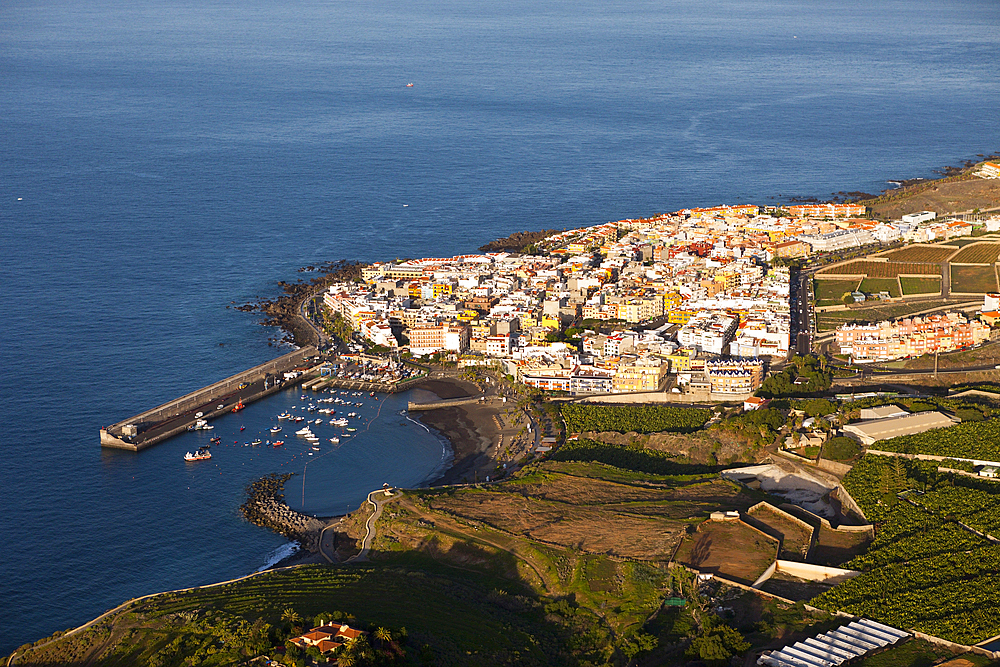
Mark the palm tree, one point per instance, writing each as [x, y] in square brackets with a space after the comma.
[383, 635]
[290, 616]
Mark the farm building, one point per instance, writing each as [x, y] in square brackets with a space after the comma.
[870, 432]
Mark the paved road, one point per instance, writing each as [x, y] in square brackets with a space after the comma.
[366, 543]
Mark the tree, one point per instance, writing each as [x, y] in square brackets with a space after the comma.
[291, 616]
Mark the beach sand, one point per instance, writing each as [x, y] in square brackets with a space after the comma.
[470, 429]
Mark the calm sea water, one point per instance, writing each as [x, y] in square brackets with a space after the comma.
[160, 161]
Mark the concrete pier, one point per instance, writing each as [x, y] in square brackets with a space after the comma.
[154, 426]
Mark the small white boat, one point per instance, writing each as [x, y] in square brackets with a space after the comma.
[318, 421]
[304, 431]
[275, 429]
[284, 415]
[335, 440]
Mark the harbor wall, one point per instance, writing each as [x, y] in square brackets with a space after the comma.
[447, 403]
[175, 416]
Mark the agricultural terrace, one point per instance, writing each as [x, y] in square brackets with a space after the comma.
[831, 292]
[796, 539]
[728, 548]
[924, 571]
[978, 253]
[911, 285]
[920, 253]
[633, 418]
[876, 285]
[557, 506]
[973, 279]
[876, 269]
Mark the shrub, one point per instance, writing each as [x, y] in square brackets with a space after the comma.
[841, 449]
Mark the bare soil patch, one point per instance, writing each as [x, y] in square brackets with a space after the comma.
[941, 197]
[731, 549]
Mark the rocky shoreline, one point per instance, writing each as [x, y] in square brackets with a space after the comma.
[265, 506]
[283, 311]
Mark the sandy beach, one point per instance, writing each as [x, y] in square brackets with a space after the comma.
[471, 430]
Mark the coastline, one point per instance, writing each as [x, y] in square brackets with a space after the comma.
[469, 429]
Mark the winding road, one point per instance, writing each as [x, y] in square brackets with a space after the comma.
[366, 542]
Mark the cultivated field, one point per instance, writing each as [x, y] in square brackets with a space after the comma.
[831, 292]
[912, 285]
[874, 269]
[973, 279]
[920, 253]
[876, 285]
[980, 253]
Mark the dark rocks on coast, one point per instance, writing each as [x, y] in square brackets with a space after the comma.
[265, 506]
[283, 311]
[517, 241]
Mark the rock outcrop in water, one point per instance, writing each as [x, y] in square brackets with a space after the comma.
[265, 506]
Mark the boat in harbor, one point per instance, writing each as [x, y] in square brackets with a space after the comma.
[256, 442]
[315, 448]
[275, 429]
[352, 430]
[201, 455]
[285, 415]
[304, 431]
[278, 443]
[216, 440]
[335, 440]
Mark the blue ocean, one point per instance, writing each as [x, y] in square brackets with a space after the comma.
[163, 161]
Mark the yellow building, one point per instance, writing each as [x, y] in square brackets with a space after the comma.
[442, 289]
[641, 375]
[680, 316]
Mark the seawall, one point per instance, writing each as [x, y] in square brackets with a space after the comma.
[165, 421]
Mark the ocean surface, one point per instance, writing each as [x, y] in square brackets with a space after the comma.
[163, 161]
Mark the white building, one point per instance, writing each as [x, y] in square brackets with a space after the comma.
[708, 332]
[917, 218]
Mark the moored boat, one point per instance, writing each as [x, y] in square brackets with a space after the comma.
[201, 455]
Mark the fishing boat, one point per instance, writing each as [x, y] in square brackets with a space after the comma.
[201, 455]
[239, 406]
[284, 415]
[315, 448]
[256, 442]
[216, 440]
[304, 431]
[278, 443]
[275, 429]
[335, 440]
[409, 85]
[352, 430]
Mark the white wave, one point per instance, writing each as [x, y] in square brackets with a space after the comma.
[278, 555]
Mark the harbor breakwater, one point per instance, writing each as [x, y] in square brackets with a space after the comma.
[265, 506]
[164, 421]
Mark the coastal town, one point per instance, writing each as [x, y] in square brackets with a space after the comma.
[697, 305]
[713, 417]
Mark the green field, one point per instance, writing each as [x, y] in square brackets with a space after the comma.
[924, 570]
[876, 285]
[831, 292]
[973, 279]
[920, 285]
